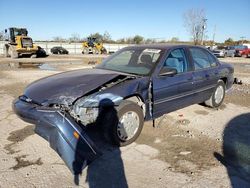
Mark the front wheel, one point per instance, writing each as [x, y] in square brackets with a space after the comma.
[123, 127]
[217, 96]
[13, 54]
[6, 51]
[85, 50]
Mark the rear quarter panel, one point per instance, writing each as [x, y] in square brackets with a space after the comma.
[226, 70]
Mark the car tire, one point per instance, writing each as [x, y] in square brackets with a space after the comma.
[217, 96]
[128, 116]
[13, 53]
[85, 50]
[6, 51]
[103, 51]
[95, 50]
[33, 56]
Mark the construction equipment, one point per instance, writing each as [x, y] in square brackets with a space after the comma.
[19, 43]
[92, 45]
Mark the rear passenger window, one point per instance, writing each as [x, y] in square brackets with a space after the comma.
[202, 59]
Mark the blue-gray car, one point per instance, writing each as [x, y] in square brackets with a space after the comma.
[136, 84]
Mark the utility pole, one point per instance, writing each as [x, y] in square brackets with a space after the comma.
[214, 34]
[204, 24]
[242, 38]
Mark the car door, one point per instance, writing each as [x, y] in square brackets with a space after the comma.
[171, 92]
[230, 51]
[205, 74]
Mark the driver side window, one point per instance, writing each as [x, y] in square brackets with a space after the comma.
[176, 60]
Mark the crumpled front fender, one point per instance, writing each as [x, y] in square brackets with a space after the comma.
[65, 136]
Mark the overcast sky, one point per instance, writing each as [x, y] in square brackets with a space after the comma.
[150, 18]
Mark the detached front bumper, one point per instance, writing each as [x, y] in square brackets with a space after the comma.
[65, 136]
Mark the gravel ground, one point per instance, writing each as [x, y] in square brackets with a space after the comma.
[192, 147]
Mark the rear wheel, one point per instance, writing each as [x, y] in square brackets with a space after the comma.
[33, 56]
[95, 50]
[103, 51]
[244, 55]
[124, 126]
[217, 96]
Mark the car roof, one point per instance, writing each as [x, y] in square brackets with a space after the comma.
[161, 46]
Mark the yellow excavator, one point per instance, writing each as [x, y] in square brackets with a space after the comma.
[19, 43]
[92, 45]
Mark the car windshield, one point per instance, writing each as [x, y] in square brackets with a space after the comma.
[220, 48]
[133, 61]
[241, 47]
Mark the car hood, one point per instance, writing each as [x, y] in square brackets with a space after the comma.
[65, 88]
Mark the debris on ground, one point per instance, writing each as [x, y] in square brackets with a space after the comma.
[92, 62]
[237, 81]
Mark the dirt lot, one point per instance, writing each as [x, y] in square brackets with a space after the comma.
[192, 147]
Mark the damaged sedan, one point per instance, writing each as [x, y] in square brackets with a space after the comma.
[134, 85]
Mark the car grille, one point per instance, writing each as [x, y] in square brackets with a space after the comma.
[27, 43]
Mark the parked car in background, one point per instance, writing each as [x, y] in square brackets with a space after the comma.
[41, 52]
[59, 50]
[135, 84]
[242, 51]
[219, 51]
[230, 51]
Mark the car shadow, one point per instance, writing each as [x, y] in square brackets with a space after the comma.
[108, 170]
[236, 150]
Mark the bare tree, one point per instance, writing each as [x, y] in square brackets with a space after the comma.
[195, 23]
[174, 39]
[150, 41]
[106, 37]
[75, 37]
[58, 39]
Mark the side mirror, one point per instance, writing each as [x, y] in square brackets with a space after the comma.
[168, 71]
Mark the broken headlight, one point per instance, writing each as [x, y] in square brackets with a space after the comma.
[86, 109]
